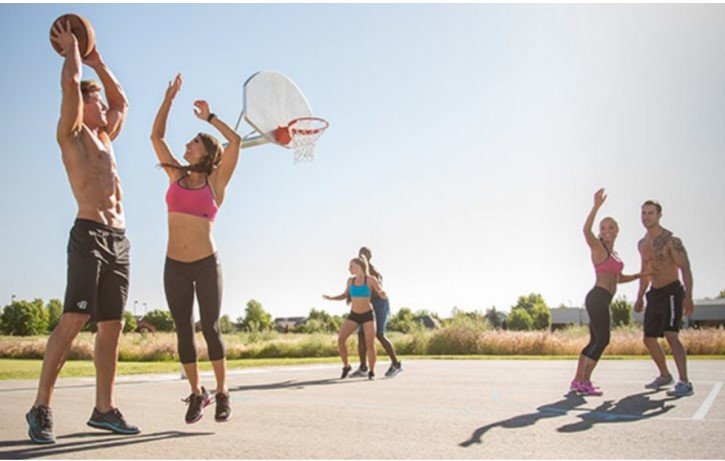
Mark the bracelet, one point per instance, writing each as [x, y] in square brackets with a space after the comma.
[211, 116]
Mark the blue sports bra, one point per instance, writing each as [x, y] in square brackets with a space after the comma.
[360, 291]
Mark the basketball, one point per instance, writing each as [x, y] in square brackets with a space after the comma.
[81, 28]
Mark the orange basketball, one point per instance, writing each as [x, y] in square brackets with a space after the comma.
[81, 28]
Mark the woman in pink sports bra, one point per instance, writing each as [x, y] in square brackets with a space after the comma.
[196, 191]
[608, 268]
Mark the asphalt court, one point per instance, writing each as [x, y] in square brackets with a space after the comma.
[434, 409]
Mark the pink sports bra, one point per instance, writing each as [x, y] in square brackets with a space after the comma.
[612, 264]
[196, 202]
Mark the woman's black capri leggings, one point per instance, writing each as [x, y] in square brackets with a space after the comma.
[180, 279]
[597, 304]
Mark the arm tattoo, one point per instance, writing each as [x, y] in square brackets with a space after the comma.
[662, 240]
[679, 247]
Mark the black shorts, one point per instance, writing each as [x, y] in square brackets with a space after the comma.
[664, 310]
[361, 318]
[98, 270]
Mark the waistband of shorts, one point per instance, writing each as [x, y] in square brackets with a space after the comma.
[670, 288]
[87, 224]
[214, 257]
[601, 291]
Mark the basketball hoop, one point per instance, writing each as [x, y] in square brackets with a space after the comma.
[301, 134]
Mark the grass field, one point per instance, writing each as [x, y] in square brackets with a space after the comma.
[156, 352]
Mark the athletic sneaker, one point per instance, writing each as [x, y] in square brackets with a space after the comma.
[197, 403]
[589, 388]
[681, 389]
[359, 373]
[40, 424]
[371, 375]
[223, 410]
[574, 385]
[113, 421]
[659, 382]
[345, 371]
[394, 369]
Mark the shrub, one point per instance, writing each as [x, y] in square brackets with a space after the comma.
[162, 320]
[55, 310]
[24, 318]
[130, 323]
[519, 320]
[621, 312]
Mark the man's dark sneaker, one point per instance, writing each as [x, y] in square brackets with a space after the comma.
[113, 421]
[371, 375]
[223, 410]
[197, 403]
[40, 422]
[345, 371]
[359, 373]
[394, 369]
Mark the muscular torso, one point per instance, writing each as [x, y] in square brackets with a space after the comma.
[91, 167]
[657, 257]
[361, 305]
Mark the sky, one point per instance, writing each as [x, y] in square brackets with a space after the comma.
[465, 145]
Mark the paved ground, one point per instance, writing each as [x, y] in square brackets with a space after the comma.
[434, 409]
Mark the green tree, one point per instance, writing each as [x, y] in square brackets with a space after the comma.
[226, 325]
[162, 320]
[256, 318]
[621, 312]
[130, 324]
[55, 310]
[24, 318]
[403, 321]
[536, 307]
[319, 321]
[541, 315]
[519, 320]
[495, 318]
[721, 295]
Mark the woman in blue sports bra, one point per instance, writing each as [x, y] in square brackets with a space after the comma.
[357, 293]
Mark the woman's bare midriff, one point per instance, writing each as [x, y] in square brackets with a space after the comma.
[608, 282]
[361, 305]
[190, 238]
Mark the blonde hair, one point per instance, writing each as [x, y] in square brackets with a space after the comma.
[88, 87]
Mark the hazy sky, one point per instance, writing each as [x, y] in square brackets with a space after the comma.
[465, 145]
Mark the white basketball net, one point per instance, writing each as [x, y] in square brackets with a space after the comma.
[304, 133]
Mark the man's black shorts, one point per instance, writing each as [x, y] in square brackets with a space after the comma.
[664, 310]
[98, 271]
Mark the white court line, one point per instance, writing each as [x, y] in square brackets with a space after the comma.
[705, 407]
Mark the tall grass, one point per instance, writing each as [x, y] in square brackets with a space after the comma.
[459, 338]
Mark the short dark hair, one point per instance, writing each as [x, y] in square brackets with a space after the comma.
[655, 204]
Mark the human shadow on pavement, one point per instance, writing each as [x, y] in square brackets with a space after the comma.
[292, 384]
[551, 410]
[97, 441]
[631, 408]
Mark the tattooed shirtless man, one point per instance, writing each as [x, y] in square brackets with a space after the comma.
[664, 257]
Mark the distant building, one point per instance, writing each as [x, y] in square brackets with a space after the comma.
[708, 313]
[562, 317]
[429, 322]
[285, 324]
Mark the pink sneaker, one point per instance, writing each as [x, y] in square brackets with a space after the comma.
[575, 385]
[589, 388]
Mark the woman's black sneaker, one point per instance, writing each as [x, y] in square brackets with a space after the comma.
[345, 371]
[112, 420]
[223, 410]
[40, 422]
[196, 405]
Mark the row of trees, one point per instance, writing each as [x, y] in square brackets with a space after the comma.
[27, 318]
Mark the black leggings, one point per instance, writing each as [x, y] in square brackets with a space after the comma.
[180, 279]
[597, 303]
